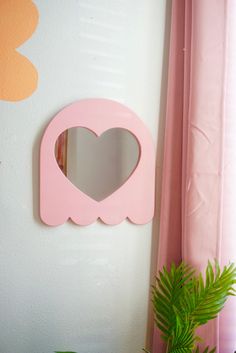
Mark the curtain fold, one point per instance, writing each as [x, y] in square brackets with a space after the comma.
[199, 169]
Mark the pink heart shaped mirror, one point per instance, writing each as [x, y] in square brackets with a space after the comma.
[97, 160]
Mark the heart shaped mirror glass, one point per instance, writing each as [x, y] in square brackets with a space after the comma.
[97, 166]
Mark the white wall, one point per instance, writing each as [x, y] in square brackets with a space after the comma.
[69, 287]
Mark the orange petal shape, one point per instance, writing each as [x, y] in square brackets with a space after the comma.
[18, 76]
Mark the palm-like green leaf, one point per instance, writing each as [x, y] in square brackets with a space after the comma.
[182, 340]
[203, 300]
[167, 294]
[183, 301]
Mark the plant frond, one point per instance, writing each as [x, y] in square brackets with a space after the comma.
[183, 339]
[183, 301]
[167, 294]
[205, 300]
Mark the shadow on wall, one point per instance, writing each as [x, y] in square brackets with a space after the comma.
[159, 162]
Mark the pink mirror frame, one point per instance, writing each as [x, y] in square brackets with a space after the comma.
[60, 200]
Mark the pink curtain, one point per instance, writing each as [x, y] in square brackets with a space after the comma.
[198, 207]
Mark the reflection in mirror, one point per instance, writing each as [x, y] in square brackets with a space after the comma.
[97, 165]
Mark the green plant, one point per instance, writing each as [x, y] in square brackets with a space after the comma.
[183, 300]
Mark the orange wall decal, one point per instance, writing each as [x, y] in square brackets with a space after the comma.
[18, 76]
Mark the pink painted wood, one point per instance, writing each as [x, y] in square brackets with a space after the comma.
[61, 200]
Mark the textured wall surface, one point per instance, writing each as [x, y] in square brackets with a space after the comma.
[69, 287]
